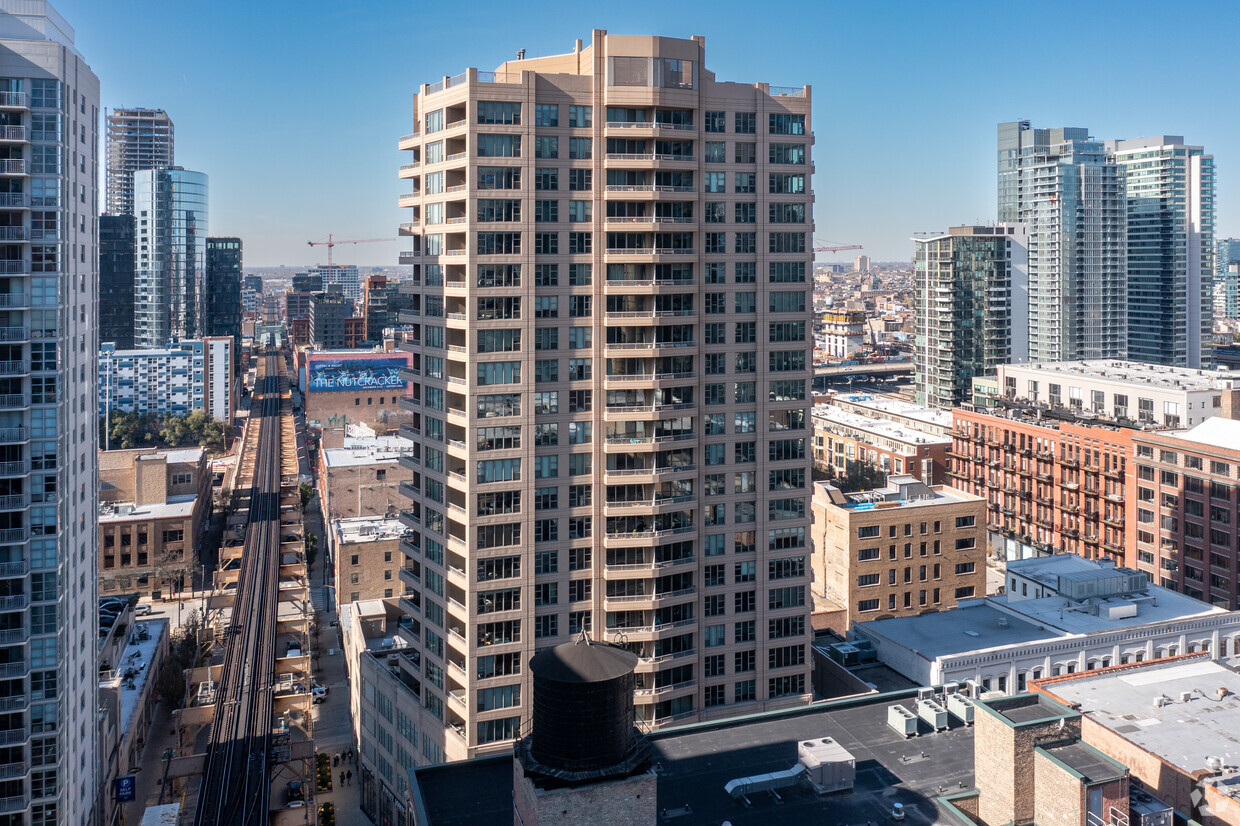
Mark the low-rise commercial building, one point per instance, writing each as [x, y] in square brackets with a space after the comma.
[348, 387]
[892, 409]
[152, 506]
[849, 442]
[1181, 747]
[127, 699]
[1126, 391]
[1097, 616]
[363, 477]
[366, 556]
[394, 730]
[898, 551]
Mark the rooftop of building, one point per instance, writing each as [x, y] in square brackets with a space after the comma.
[134, 669]
[1213, 432]
[366, 451]
[377, 620]
[355, 529]
[1185, 710]
[1135, 372]
[1001, 621]
[888, 406]
[900, 492]
[974, 625]
[693, 763]
[1022, 709]
[1048, 569]
[113, 459]
[831, 414]
[180, 506]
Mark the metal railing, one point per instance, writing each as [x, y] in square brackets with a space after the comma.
[787, 91]
[13, 166]
[14, 99]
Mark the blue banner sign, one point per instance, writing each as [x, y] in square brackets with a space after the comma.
[356, 374]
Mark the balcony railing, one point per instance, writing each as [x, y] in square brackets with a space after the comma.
[13, 199]
[14, 99]
[13, 166]
[13, 333]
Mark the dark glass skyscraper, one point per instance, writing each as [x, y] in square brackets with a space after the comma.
[223, 300]
[116, 276]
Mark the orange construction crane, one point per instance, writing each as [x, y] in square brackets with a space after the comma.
[331, 242]
[833, 246]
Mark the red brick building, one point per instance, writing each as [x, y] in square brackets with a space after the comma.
[1185, 507]
[1056, 485]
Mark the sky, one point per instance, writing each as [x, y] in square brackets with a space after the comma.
[293, 107]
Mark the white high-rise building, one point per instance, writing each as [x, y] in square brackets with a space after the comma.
[49, 168]
[1170, 192]
[136, 139]
[345, 275]
[1061, 184]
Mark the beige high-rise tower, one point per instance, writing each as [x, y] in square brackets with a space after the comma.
[611, 392]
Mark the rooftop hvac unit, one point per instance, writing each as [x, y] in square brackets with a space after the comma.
[932, 713]
[960, 707]
[902, 720]
[829, 767]
[1147, 810]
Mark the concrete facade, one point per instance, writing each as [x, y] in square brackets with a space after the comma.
[647, 480]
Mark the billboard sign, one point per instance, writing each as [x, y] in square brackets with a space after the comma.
[354, 375]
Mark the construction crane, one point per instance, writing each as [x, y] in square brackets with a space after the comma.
[833, 246]
[331, 242]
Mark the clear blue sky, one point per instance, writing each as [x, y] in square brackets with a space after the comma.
[293, 108]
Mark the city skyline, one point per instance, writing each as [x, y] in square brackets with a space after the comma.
[886, 145]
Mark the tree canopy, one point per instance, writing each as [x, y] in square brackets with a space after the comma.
[130, 430]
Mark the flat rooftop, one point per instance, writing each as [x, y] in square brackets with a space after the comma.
[181, 507]
[830, 414]
[905, 492]
[1092, 765]
[1048, 569]
[366, 451]
[693, 763]
[1164, 605]
[888, 406]
[356, 529]
[1185, 733]
[1132, 372]
[1214, 432]
[133, 670]
[974, 625]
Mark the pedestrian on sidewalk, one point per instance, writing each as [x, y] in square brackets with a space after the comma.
[350, 776]
[342, 779]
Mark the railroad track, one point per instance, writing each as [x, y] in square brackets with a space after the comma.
[236, 785]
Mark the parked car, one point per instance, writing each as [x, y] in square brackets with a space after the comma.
[318, 693]
[141, 610]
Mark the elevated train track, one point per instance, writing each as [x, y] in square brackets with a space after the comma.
[236, 777]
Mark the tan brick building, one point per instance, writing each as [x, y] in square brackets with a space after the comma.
[152, 504]
[366, 558]
[898, 551]
[363, 477]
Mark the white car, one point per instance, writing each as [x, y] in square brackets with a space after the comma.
[318, 693]
[141, 610]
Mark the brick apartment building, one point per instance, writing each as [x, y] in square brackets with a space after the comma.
[152, 504]
[1058, 486]
[1185, 509]
[899, 551]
